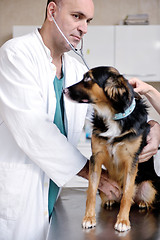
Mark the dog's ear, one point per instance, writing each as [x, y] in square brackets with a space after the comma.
[115, 87]
[117, 91]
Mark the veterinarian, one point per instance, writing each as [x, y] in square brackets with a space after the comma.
[33, 149]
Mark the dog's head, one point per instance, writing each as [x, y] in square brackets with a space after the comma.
[102, 86]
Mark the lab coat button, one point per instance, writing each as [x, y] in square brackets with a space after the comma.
[46, 213]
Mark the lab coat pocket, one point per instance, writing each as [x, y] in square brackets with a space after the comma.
[13, 178]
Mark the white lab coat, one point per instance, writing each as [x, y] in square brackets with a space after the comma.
[32, 150]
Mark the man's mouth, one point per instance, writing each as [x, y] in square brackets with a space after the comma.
[77, 38]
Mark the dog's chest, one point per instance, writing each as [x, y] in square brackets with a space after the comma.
[113, 152]
[106, 127]
[112, 130]
[114, 164]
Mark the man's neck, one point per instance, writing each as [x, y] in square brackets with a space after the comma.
[58, 68]
[56, 55]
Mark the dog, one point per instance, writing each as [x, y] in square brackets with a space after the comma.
[119, 134]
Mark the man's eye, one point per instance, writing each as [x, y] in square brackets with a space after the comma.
[76, 16]
[89, 21]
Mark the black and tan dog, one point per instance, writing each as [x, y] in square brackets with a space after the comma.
[119, 134]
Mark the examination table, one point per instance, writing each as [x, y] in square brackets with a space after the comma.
[69, 211]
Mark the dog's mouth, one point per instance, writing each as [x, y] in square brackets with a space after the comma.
[76, 96]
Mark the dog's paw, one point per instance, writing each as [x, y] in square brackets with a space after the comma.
[89, 222]
[122, 226]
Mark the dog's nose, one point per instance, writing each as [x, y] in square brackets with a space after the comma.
[66, 91]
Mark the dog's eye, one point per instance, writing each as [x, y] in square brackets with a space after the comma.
[87, 79]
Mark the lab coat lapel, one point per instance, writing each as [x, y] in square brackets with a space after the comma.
[70, 78]
[73, 115]
[51, 94]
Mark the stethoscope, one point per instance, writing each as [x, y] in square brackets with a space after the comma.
[78, 52]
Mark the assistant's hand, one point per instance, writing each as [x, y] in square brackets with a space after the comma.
[140, 86]
[153, 141]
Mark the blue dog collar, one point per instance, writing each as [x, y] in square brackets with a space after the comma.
[127, 112]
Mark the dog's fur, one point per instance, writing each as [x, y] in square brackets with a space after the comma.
[116, 144]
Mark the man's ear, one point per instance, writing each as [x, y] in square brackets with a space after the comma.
[51, 9]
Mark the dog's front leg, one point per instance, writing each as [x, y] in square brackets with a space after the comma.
[123, 223]
[89, 219]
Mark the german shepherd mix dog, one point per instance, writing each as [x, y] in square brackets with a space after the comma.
[119, 134]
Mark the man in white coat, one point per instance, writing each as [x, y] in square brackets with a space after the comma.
[33, 149]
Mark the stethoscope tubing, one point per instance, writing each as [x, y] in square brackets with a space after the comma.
[78, 52]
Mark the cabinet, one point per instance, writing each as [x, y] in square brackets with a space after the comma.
[98, 46]
[133, 50]
[137, 51]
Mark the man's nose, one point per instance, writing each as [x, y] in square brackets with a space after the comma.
[83, 27]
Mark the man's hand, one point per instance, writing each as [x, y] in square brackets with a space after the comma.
[106, 185]
[153, 141]
[109, 187]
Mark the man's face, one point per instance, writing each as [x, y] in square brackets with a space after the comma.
[73, 18]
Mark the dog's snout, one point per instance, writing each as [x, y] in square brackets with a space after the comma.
[65, 90]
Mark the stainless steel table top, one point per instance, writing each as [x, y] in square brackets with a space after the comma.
[70, 209]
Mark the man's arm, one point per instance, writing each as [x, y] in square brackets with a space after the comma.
[106, 185]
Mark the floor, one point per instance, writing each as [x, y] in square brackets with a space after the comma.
[69, 211]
